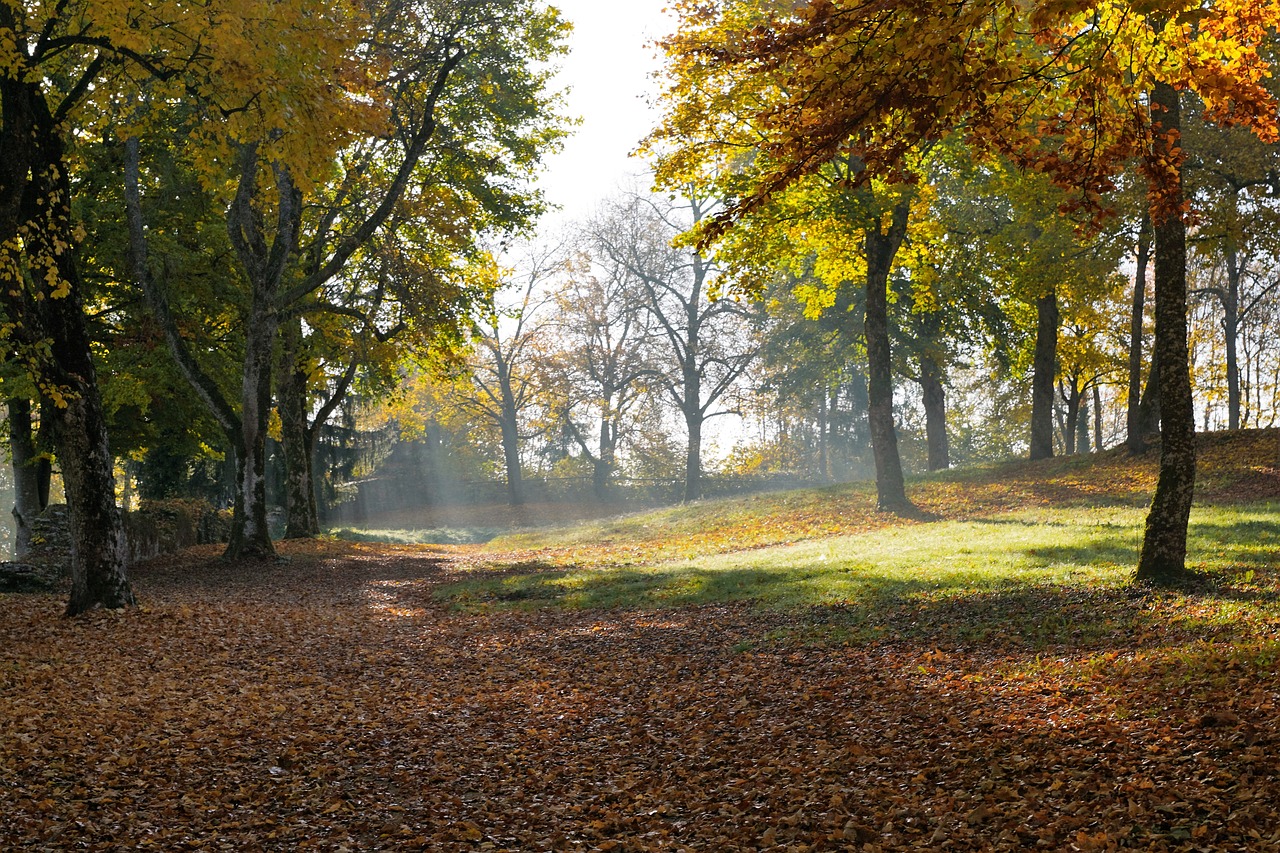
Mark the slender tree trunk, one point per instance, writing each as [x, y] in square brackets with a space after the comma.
[1082, 426]
[1149, 408]
[26, 475]
[935, 415]
[1097, 418]
[510, 426]
[1231, 335]
[1164, 545]
[1136, 435]
[1070, 424]
[1044, 366]
[824, 441]
[881, 246]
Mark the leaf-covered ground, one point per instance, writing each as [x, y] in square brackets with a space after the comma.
[344, 700]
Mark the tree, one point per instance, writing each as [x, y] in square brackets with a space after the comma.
[449, 126]
[49, 67]
[1233, 177]
[804, 84]
[509, 345]
[702, 339]
[604, 328]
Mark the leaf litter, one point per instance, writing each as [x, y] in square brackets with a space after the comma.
[333, 702]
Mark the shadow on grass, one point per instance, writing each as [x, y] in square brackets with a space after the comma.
[1051, 595]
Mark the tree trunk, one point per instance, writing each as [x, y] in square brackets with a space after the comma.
[250, 532]
[1164, 545]
[1136, 435]
[301, 521]
[824, 440]
[693, 456]
[1044, 366]
[935, 414]
[1097, 418]
[881, 246]
[603, 464]
[510, 426]
[98, 551]
[1070, 425]
[1082, 426]
[35, 198]
[1149, 408]
[264, 262]
[26, 475]
[1231, 334]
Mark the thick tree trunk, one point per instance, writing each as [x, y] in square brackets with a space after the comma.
[250, 532]
[510, 427]
[301, 517]
[49, 322]
[603, 465]
[264, 262]
[98, 552]
[1164, 545]
[881, 246]
[1136, 436]
[1043, 370]
[26, 475]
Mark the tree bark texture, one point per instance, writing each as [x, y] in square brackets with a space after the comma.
[1164, 545]
[510, 426]
[26, 474]
[934, 392]
[301, 516]
[1231, 333]
[35, 194]
[881, 246]
[1044, 366]
[1135, 434]
[935, 415]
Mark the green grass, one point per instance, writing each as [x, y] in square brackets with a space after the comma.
[1046, 576]
[433, 536]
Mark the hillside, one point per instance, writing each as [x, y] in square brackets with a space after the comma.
[1233, 468]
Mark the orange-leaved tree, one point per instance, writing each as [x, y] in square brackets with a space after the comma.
[766, 93]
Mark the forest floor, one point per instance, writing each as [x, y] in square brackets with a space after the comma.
[789, 672]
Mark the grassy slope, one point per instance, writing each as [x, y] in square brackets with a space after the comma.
[1072, 522]
[1233, 468]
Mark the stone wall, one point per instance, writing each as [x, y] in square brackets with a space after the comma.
[161, 527]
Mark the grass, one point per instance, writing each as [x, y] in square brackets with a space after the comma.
[1041, 576]
[432, 536]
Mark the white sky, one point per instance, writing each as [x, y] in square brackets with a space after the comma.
[607, 72]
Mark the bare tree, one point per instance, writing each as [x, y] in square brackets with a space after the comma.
[507, 359]
[603, 325]
[703, 342]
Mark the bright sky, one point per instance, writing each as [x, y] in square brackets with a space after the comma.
[607, 72]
